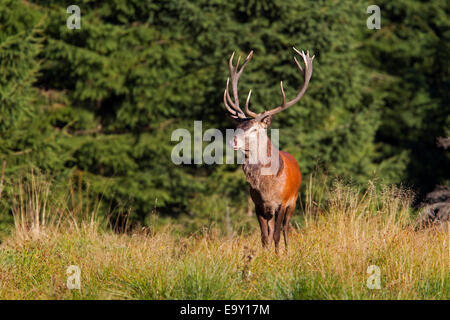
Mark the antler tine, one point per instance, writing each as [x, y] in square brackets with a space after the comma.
[235, 73]
[228, 95]
[299, 65]
[230, 110]
[249, 112]
[230, 63]
[282, 92]
[237, 64]
[234, 78]
[250, 55]
[235, 109]
[234, 113]
[307, 73]
[230, 101]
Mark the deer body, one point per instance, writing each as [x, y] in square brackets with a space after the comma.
[274, 195]
[273, 175]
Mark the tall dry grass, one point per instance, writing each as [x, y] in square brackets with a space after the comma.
[344, 232]
[39, 212]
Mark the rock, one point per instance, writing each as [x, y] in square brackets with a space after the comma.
[440, 194]
[436, 208]
[435, 214]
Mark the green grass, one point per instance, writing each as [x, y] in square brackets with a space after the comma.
[328, 256]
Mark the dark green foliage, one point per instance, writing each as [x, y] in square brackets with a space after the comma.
[411, 53]
[98, 105]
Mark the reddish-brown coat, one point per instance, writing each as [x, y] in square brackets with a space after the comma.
[293, 178]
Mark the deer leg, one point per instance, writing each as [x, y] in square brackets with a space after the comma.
[271, 229]
[279, 217]
[264, 231]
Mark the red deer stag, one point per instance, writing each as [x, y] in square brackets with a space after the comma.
[275, 191]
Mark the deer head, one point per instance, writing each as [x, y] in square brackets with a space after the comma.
[252, 126]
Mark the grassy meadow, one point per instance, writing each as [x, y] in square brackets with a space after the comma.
[114, 157]
[328, 257]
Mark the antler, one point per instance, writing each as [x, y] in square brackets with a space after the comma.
[233, 107]
[306, 74]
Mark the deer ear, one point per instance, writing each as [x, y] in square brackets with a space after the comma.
[266, 121]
